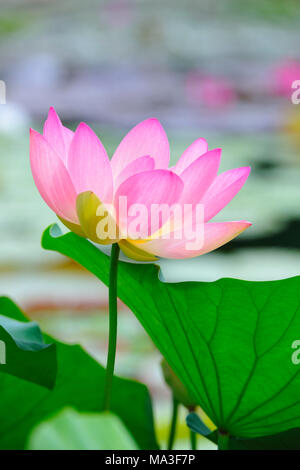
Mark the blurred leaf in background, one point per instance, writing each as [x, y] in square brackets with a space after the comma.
[70, 430]
[79, 385]
[25, 354]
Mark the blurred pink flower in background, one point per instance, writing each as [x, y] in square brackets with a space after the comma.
[283, 75]
[118, 13]
[209, 91]
[75, 177]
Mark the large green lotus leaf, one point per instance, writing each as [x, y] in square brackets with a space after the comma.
[287, 440]
[70, 430]
[23, 352]
[228, 341]
[79, 384]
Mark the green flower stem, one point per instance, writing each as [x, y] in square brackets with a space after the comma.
[193, 439]
[223, 440]
[113, 324]
[173, 423]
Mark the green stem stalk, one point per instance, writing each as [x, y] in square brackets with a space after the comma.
[193, 439]
[173, 423]
[223, 440]
[113, 325]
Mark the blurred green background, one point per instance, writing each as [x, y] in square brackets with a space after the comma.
[206, 69]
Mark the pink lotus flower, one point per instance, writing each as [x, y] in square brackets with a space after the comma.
[283, 76]
[75, 177]
[212, 92]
